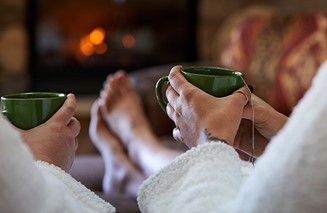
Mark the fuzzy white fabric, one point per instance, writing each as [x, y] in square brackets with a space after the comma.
[291, 176]
[31, 187]
[204, 179]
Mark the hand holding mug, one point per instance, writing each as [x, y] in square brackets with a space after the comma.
[198, 114]
[216, 81]
[55, 141]
[46, 123]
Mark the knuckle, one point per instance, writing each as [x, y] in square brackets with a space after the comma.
[71, 108]
[187, 94]
[187, 97]
[172, 74]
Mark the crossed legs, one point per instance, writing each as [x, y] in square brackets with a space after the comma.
[123, 135]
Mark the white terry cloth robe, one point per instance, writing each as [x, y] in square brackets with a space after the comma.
[30, 187]
[291, 175]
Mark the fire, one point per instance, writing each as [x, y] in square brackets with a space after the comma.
[86, 47]
[93, 42]
[97, 36]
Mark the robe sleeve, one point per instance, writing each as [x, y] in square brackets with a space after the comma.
[27, 186]
[203, 179]
[291, 176]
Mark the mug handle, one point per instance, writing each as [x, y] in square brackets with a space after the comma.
[159, 97]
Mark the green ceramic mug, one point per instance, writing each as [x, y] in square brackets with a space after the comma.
[216, 81]
[28, 110]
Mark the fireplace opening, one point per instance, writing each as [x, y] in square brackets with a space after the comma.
[75, 44]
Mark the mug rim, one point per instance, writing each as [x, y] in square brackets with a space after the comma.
[233, 71]
[25, 95]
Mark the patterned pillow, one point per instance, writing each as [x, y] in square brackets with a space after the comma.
[279, 54]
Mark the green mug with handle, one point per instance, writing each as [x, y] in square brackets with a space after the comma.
[28, 110]
[215, 81]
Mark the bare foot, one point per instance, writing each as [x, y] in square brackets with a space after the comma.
[122, 110]
[121, 175]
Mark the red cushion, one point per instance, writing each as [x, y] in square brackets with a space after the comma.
[279, 54]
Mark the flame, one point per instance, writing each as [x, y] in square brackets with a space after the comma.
[97, 36]
[93, 42]
[101, 48]
[86, 47]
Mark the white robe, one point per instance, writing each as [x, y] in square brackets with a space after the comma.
[38, 187]
[291, 176]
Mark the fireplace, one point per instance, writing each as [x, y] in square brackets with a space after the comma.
[75, 44]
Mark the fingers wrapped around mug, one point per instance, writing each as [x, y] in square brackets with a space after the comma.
[196, 112]
[75, 127]
[245, 92]
[177, 135]
[172, 104]
[67, 111]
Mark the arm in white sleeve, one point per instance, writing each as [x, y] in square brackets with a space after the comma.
[290, 176]
[203, 179]
[26, 187]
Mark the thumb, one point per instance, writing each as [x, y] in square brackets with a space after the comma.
[66, 111]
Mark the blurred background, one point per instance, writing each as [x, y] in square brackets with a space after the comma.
[72, 45]
[78, 42]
